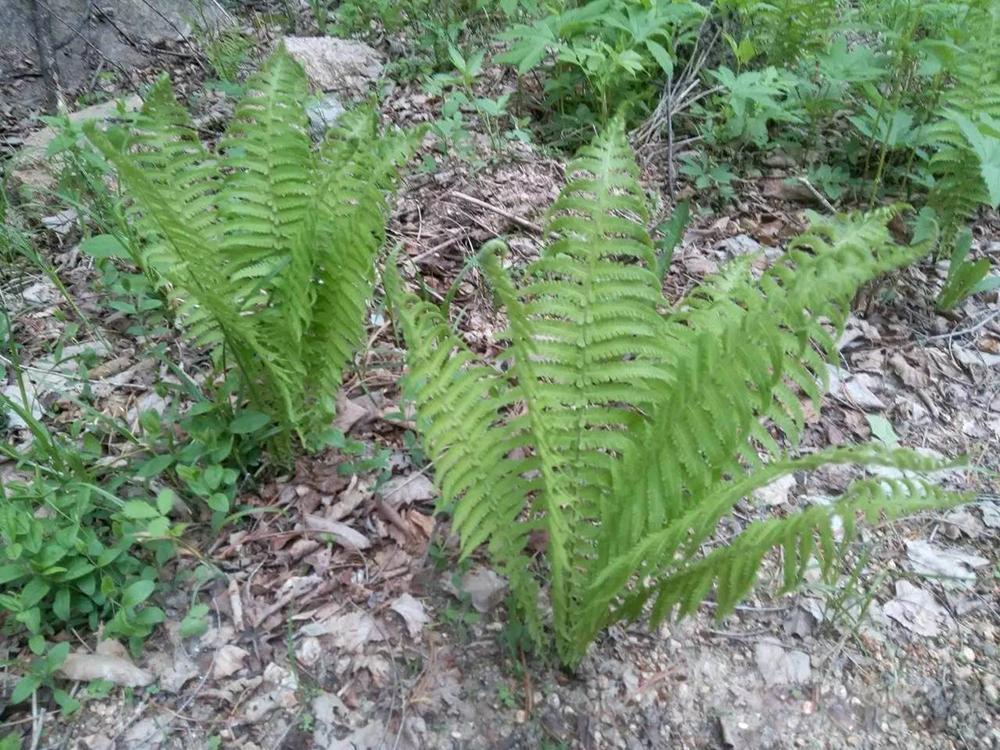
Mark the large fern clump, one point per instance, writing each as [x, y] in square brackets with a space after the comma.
[965, 162]
[628, 433]
[266, 246]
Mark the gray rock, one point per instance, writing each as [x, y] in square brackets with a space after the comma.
[917, 611]
[961, 521]
[741, 244]
[781, 666]
[484, 587]
[344, 66]
[991, 513]
[12, 392]
[34, 176]
[323, 115]
[955, 567]
[147, 22]
[775, 493]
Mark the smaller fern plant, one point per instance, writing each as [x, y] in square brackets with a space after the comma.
[266, 246]
[628, 433]
[965, 140]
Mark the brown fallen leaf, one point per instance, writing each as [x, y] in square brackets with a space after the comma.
[484, 587]
[909, 374]
[341, 532]
[413, 613]
[349, 500]
[116, 669]
[404, 415]
[406, 490]
[228, 661]
[917, 610]
[351, 411]
[988, 344]
[422, 522]
[699, 265]
[348, 632]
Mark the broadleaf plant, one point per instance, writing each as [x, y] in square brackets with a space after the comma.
[266, 247]
[627, 432]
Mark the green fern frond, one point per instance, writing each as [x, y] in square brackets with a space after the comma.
[809, 536]
[675, 548]
[345, 229]
[627, 434]
[479, 449]
[736, 355]
[959, 188]
[267, 248]
[268, 164]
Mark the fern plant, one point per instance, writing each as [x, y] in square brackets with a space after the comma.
[628, 433]
[266, 246]
[966, 139]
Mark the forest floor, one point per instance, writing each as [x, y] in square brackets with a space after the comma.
[394, 646]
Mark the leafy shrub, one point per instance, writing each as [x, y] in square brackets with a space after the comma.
[226, 50]
[627, 434]
[751, 101]
[71, 546]
[267, 246]
[782, 30]
[609, 52]
[431, 27]
[204, 447]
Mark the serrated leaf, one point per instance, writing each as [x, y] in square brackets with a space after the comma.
[165, 501]
[218, 502]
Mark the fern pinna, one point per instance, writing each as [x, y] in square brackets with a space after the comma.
[628, 433]
[266, 246]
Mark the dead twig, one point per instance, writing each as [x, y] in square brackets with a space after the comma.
[529, 693]
[38, 721]
[817, 194]
[524, 223]
[965, 331]
[679, 94]
[391, 515]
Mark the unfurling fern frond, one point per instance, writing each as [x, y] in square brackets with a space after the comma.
[628, 434]
[266, 247]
